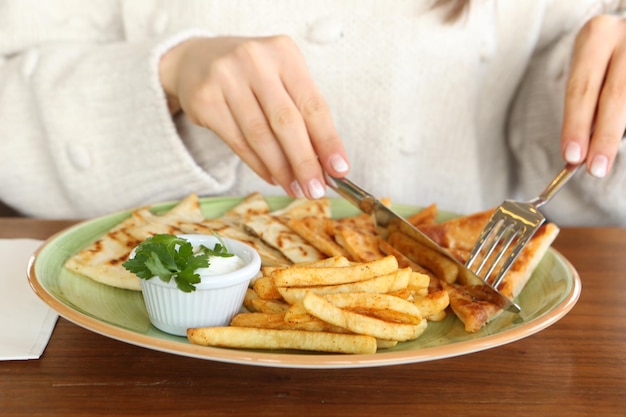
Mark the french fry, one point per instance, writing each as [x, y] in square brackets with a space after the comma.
[418, 281]
[253, 338]
[248, 298]
[360, 324]
[268, 306]
[299, 276]
[437, 316]
[381, 284]
[266, 271]
[384, 306]
[277, 321]
[322, 242]
[404, 293]
[296, 313]
[386, 344]
[265, 289]
[403, 261]
[334, 262]
[258, 320]
[253, 303]
[389, 316]
[444, 268]
[431, 304]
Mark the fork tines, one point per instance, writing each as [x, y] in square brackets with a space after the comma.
[505, 235]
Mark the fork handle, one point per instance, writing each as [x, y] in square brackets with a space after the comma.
[559, 181]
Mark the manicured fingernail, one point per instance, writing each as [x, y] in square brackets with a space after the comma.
[316, 189]
[297, 191]
[338, 163]
[572, 153]
[599, 166]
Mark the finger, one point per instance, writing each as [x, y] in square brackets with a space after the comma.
[260, 138]
[219, 119]
[288, 125]
[219, 98]
[611, 115]
[211, 111]
[207, 106]
[592, 53]
[318, 120]
[282, 115]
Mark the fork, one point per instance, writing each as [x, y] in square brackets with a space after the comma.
[509, 229]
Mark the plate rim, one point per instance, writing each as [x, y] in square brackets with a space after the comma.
[303, 360]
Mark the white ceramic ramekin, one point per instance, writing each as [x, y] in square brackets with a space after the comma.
[214, 302]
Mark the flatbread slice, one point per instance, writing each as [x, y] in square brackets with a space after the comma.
[276, 234]
[302, 207]
[476, 306]
[102, 260]
[459, 233]
[269, 255]
[360, 246]
[472, 305]
[313, 231]
[426, 216]
[526, 263]
[251, 205]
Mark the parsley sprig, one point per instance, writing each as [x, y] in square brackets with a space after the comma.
[169, 256]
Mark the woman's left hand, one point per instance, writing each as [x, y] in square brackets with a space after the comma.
[595, 99]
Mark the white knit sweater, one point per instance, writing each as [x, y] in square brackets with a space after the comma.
[463, 115]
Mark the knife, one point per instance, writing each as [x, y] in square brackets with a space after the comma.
[386, 220]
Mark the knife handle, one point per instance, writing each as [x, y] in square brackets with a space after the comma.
[353, 193]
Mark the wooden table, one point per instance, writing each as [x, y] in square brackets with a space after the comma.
[577, 367]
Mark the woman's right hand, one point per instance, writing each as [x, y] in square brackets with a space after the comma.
[259, 97]
[595, 100]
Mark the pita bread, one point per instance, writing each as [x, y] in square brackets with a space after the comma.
[251, 205]
[458, 234]
[313, 231]
[476, 307]
[472, 305]
[302, 207]
[102, 260]
[269, 255]
[361, 246]
[273, 232]
[523, 267]
[364, 223]
[428, 215]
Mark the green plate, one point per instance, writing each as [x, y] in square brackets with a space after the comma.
[121, 314]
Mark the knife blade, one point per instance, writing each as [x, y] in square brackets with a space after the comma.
[387, 220]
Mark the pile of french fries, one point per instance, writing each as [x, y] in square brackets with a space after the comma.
[332, 305]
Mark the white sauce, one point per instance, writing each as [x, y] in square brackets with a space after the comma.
[220, 265]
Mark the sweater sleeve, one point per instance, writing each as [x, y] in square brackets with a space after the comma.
[85, 128]
[534, 132]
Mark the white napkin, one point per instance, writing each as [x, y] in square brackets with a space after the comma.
[26, 322]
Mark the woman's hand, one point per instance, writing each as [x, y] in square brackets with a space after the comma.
[258, 96]
[595, 99]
